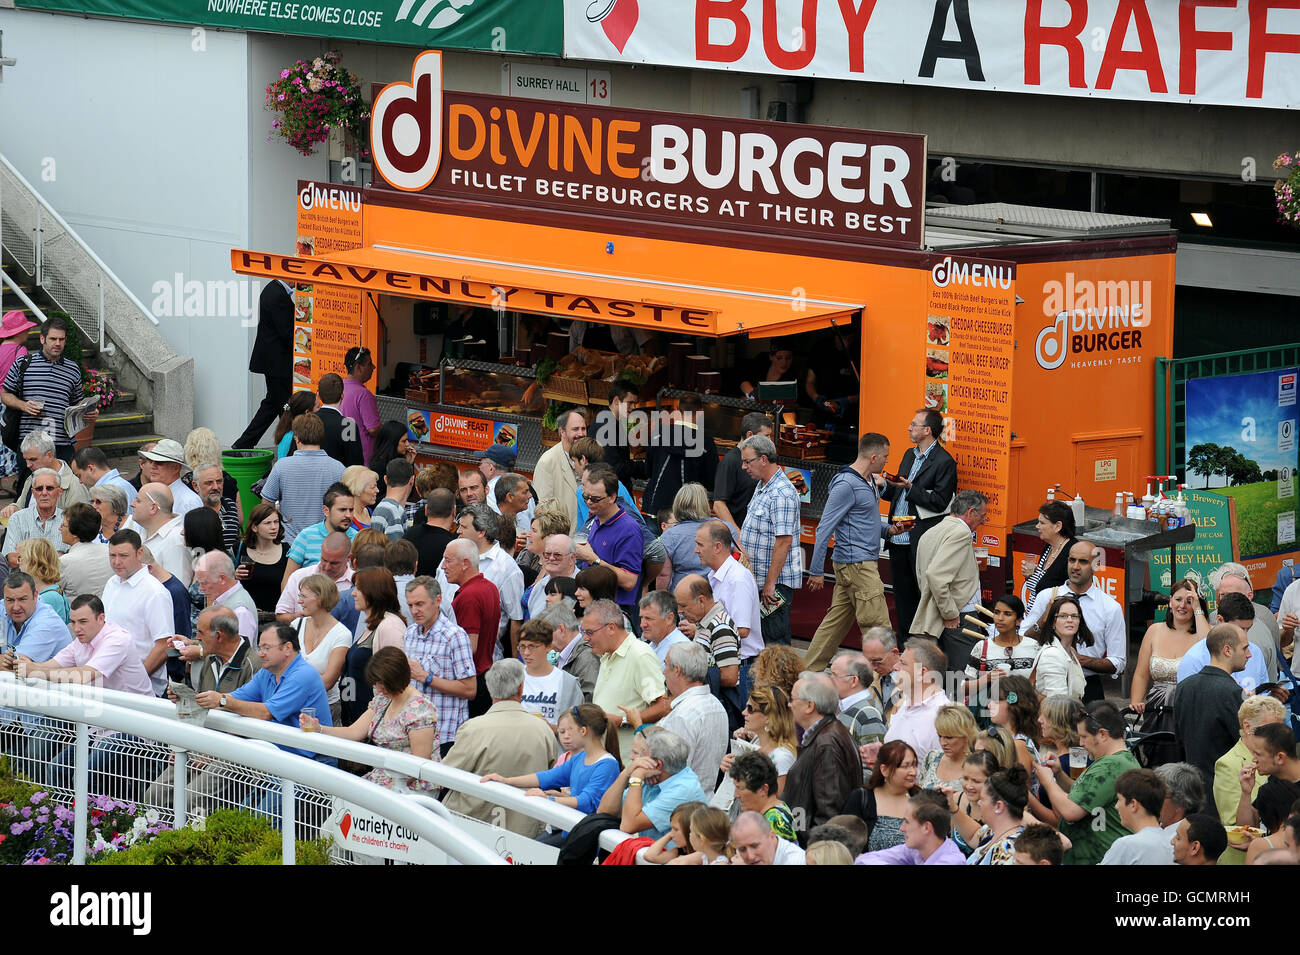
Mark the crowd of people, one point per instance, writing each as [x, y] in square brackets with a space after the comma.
[548, 635]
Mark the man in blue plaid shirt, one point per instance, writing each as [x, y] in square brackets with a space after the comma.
[770, 536]
[442, 660]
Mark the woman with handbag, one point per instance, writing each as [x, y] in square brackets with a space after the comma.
[14, 330]
[1003, 651]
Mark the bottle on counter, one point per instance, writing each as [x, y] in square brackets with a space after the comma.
[1080, 512]
[1119, 509]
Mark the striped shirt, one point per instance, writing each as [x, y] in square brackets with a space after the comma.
[299, 483]
[57, 383]
[444, 651]
[716, 633]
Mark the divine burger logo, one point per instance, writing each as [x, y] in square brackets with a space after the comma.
[820, 183]
[406, 126]
[1093, 322]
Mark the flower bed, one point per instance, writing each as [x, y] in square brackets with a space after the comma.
[1287, 191]
[38, 831]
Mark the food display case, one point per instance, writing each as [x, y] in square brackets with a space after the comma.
[465, 406]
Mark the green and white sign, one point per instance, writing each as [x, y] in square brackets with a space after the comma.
[1215, 544]
[503, 26]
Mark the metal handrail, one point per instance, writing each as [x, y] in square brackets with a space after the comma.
[22, 296]
[64, 701]
[405, 764]
[90, 253]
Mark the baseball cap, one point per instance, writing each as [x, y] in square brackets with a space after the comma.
[167, 451]
[499, 454]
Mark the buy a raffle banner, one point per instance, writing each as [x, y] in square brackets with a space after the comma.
[326, 318]
[968, 352]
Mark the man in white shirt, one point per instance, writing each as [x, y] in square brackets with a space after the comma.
[557, 561]
[136, 602]
[164, 464]
[736, 589]
[334, 553]
[84, 568]
[479, 523]
[161, 530]
[1104, 616]
[757, 844]
[694, 713]
[921, 667]
[659, 624]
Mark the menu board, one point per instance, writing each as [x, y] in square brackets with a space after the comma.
[969, 348]
[326, 318]
[458, 431]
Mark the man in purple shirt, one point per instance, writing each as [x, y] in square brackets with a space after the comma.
[614, 536]
[359, 403]
[926, 825]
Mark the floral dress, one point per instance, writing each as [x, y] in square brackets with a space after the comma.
[990, 851]
[395, 733]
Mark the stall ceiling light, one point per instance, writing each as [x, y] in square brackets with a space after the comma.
[1202, 219]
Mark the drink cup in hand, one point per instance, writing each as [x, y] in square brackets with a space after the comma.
[307, 720]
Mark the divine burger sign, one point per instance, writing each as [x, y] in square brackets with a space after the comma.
[782, 179]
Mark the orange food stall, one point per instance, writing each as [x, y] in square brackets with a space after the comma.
[494, 223]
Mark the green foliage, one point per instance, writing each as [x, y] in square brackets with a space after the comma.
[229, 837]
[545, 368]
[14, 790]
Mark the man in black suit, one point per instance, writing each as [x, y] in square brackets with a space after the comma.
[272, 358]
[342, 437]
[927, 481]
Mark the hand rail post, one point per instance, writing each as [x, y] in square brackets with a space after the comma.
[287, 822]
[81, 794]
[180, 792]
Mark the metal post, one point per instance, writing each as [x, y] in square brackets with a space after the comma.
[36, 247]
[179, 789]
[99, 281]
[81, 794]
[287, 822]
[1162, 417]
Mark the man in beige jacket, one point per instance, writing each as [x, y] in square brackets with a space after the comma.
[949, 577]
[553, 477]
[507, 740]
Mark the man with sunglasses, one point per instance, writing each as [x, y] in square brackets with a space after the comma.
[614, 537]
[359, 402]
[41, 520]
[1089, 816]
[558, 560]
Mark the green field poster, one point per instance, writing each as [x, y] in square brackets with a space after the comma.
[1241, 442]
[502, 26]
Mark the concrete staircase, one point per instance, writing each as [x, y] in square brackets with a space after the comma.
[124, 426]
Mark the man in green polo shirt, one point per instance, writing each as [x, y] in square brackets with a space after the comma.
[631, 675]
[1088, 814]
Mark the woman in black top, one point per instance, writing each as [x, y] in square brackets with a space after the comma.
[1056, 529]
[391, 442]
[262, 557]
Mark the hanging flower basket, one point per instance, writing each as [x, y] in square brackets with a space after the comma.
[313, 97]
[1288, 190]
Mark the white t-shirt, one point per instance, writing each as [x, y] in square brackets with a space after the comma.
[551, 695]
[1149, 846]
[788, 853]
[338, 636]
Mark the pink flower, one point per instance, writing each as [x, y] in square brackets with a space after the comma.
[284, 74]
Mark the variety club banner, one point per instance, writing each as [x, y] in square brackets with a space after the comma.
[502, 26]
[1241, 442]
[1210, 52]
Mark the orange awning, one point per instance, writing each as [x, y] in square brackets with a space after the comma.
[629, 300]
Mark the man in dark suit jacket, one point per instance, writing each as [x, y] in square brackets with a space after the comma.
[342, 436]
[680, 454]
[926, 485]
[272, 358]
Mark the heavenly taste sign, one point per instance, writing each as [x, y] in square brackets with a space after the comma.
[1224, 52]
[682, 172]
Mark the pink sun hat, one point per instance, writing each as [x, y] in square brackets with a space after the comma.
[15, 322]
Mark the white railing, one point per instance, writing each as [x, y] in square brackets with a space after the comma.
[32, 231]
[151, 718]
[22, 297]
